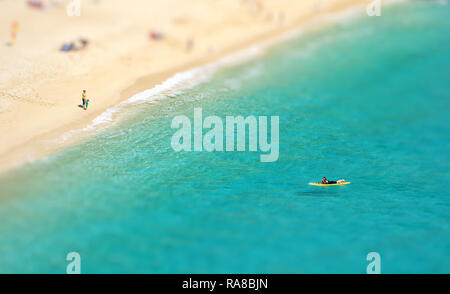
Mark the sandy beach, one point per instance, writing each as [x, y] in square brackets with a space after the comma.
[40, 86]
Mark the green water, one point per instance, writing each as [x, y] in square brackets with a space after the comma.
[367, 100]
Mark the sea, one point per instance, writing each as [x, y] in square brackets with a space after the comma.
[365, 99]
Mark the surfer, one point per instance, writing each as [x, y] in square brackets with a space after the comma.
[83, 98]
[325, 181]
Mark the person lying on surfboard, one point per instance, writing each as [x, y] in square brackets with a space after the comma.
[325, 181]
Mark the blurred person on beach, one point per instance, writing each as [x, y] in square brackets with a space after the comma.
[86, 104]
[14, 30]
[74, 46]
[37, 4]
[156, 35]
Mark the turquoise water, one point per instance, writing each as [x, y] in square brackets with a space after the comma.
[366, 100]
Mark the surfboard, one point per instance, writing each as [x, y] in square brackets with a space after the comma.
[324, 185]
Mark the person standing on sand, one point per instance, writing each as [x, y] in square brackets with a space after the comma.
[87, 103]
[83, 98]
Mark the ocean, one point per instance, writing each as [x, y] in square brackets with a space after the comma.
[366, 99]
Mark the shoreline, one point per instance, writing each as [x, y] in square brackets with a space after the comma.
[43, 145]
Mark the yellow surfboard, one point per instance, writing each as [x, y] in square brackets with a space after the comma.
[324, 185]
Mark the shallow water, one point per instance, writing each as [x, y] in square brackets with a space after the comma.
[366, 100]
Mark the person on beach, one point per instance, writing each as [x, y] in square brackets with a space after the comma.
[87, 103]
[14, 30]
[83, 98]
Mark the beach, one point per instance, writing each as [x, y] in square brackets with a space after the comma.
[40, 87]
